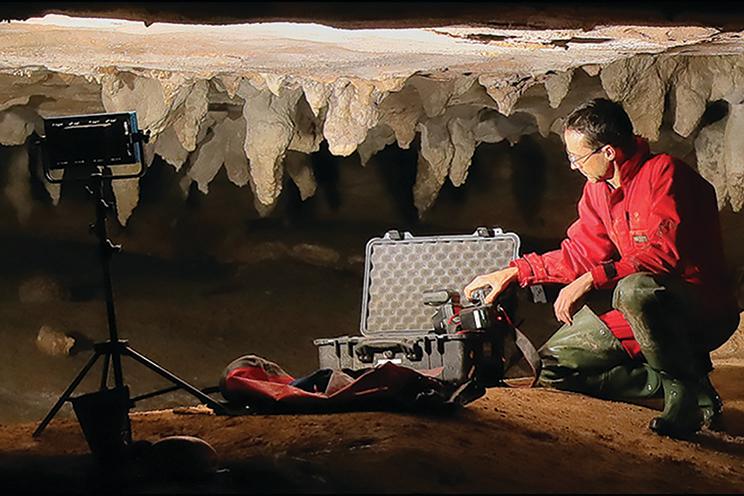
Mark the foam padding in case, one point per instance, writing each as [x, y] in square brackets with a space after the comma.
[399, 271]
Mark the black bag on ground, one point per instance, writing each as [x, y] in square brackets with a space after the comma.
[104, 419]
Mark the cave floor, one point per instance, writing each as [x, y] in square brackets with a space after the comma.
[194, 319]
[511, 440]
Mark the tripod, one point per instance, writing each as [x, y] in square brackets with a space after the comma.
[114, 348]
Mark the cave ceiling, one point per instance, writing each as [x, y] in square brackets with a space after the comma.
[256, 92]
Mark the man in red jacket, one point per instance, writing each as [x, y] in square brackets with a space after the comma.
[648, 226]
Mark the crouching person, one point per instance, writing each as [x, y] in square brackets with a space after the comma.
[648, 227]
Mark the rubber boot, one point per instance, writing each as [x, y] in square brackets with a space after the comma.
[710, 404]
[681, 416]
[640, 382]
[657, 319]
[631, 381]
[585, 357]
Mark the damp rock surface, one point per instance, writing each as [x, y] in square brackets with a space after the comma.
[248, 98]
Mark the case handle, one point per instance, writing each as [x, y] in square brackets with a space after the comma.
[484, 232]
[488, 232]
[366, 349]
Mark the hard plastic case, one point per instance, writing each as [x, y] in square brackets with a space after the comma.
[396, 326]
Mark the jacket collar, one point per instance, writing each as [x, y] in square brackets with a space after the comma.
[631, 163]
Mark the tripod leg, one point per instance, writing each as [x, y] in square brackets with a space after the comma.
[66, 395]
[104, 375]
[215, 405]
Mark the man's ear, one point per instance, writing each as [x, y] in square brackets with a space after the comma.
[609, 152]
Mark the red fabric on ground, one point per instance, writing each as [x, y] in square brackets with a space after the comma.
[259, 374]
[266, 387]
[622, 331]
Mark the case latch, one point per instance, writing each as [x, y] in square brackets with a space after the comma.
[484, 232]
[366, 349]
[393, 234]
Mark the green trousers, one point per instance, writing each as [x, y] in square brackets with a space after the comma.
[585, 357]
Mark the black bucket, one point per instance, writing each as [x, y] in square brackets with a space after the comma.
[104, 419]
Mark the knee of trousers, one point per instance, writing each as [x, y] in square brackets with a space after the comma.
[586, 344]
[635, 292]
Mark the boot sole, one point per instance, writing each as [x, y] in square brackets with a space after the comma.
[663, 428]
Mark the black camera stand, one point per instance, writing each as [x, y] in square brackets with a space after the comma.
[114, 348]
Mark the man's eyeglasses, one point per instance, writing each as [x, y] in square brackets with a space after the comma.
[576, 160]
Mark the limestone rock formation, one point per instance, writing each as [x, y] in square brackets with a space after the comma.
[16, 124]
[210, 156]
[377, 139]
[352, 111]
[270, 127]
[53, 342]
[126, 192]
[557, 86]
[125, 91]
[506, 91]
[167, 145]
[301, 171]
[733, 156]
[641, 83]
[719, 149]
[256, 111]
[709, 152]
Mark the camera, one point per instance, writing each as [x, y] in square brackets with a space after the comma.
[489, 324]
[452, 316]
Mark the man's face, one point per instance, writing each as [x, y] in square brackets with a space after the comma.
[594, 164]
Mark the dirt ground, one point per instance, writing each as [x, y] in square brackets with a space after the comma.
[196, 318]
[511, 440]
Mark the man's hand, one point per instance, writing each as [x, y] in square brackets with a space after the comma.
[569, 295]
[498, 281]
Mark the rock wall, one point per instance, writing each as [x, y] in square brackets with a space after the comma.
[258, 126]
[400, 152]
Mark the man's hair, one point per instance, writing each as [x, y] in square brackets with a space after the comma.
[602, 122]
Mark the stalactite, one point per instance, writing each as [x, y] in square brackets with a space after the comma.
[269, 129]
[451, 113]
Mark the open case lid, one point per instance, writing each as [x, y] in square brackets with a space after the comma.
[399, 267]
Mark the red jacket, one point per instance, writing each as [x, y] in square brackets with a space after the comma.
[662, 219]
